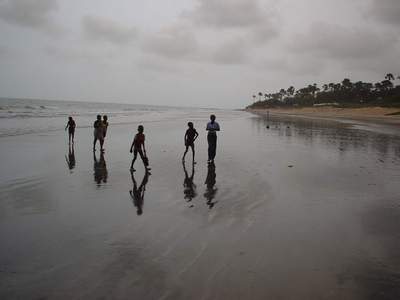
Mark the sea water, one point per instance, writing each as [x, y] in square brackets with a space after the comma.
[24, 116]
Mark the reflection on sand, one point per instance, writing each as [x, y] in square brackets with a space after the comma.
[210, 183]
[100, 169]
[342, 136]
[70, 158]
[137, 193]
[189, 188]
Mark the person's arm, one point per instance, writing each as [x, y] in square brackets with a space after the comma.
[207, 128]
[184, 138]
[67, 126]
[217, 129]
[195, 136]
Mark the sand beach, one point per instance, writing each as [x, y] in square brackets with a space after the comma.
[307, 209]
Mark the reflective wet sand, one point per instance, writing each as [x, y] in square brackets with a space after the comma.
[307, 209]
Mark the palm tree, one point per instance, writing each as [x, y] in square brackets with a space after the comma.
[259, 96]
[290, 91]
[389, 76]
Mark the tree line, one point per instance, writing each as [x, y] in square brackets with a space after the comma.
[345, 93]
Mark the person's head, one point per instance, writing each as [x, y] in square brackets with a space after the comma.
[70, 118]
[140, 129]
[190, 125]
[99, 117]
[212, 118]
[105, 118]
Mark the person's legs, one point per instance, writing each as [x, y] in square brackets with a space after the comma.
[101, 143]
[73, 136]
[69, 137]
[213, 146]
[192, 146]
[209, 146]
[142, 157]
[94, 143]
[184, 154]
[134, 158]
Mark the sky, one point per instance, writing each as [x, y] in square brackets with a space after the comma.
[202, 53]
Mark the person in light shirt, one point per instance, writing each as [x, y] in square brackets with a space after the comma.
[212, 128]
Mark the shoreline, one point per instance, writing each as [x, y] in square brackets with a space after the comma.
[377, 115]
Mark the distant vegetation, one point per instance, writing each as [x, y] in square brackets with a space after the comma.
[343, 94]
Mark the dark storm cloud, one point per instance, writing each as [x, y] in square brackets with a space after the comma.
[103, 29]
[172, 42]
[34, 14]
[339, 42]
[386, 11]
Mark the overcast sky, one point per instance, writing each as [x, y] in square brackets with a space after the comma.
[207, 53]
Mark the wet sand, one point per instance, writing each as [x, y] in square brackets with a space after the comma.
[307, 209]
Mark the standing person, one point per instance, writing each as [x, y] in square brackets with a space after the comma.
[190, 136]
[71, 129]
[105, 125]
[138, 147]
[98, 133]
[212, 128]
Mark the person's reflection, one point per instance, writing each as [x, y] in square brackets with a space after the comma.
[70, 158]
[189, 188]
[137, 193]
[100, 169]
[210, 183]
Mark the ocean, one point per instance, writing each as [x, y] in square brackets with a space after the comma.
[24, 116]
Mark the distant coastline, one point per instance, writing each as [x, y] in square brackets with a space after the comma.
[376, 114]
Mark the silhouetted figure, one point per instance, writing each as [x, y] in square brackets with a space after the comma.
[70, 158]
[100, 169]
[189, 138]
[71, 129]
[212, 128]
[210, 184]
[189, 188]
[105, 126]
[98, 133]
[139, 147]
[137, 193]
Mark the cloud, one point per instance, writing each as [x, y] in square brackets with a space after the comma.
[231, 52]
[338, 42]
[246, 16]
[386, 11]
[227, 14]
[103, 29]
[172, 42]
[35, 14]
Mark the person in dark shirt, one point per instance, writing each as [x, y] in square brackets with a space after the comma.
[212, 128]
[98, 133]
[190, 136]
[138, 147]
[71, 129]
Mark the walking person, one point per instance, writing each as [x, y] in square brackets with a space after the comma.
[212, 128]
[71, 129]
[139, 147]
[98, 133]
[190, 136]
